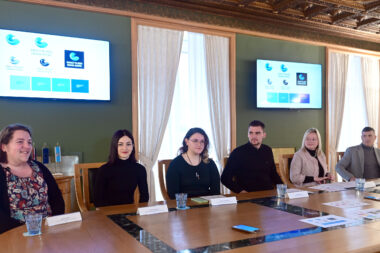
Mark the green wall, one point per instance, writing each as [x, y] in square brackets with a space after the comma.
[79, 126]
[83, 126]
[285, 128]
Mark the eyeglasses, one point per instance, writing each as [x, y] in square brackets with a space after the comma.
[198, 141]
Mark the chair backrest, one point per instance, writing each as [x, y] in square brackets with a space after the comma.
[225, 160]
[278, 152]
[163, 166]
[339, 156]
[85, 177]
[284, 169]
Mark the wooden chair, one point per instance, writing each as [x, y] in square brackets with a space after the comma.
[163, 166]
[82, 184]
[278, 152]
[84, 177]
[284, 169]
[225, 160]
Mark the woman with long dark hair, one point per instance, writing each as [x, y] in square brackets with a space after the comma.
[116, 181]
[192, 172]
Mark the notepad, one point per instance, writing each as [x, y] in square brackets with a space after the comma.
[200, 200]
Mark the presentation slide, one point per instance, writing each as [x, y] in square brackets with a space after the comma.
[288, 84]
[56, 67]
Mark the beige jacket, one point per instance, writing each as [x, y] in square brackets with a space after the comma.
[303, 164]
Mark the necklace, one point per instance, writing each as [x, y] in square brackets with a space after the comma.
[190, 159]
[196, 172]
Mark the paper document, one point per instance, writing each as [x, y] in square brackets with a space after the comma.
[212, 197]
[346, 204]
[372, 214]
[328, 187]
[328, 221]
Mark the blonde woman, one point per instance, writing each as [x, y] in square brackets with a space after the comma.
[309, 165]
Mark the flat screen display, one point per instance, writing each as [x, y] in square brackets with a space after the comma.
[35, 65]
[282, 84]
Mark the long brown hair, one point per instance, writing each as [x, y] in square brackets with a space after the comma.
[113, 156]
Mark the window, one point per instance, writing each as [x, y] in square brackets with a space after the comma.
[354, 115]
[190, 107]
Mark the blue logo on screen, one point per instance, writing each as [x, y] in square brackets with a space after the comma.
[268, 67]
[269, 81]
[284, 68]
[11, 39]
[285, 82]
[44, 63]
[40, 43]
[302, 79]
[73, 56]
[74, 59]
[13, 60]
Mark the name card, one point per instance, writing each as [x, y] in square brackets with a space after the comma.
[152, 209]
[62, 219]
[369, 184]
[223, 201]
[298, 194]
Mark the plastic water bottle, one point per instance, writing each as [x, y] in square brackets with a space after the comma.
[57, 152]
[34, 152]
[45, 153]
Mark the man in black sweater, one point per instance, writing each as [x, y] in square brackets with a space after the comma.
[251, 167]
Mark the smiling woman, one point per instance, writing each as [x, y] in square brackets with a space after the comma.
[309, 165]
[117, 180]
[26, 186]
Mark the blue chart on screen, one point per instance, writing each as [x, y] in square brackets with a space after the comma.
[20, 83]
[11, 39]
[44, 66]
[79, 86]
[74, 59]
[40, 43]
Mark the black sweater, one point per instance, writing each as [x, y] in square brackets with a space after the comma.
[250, 169]
[116, 183]
[200, 180]
[55, 199]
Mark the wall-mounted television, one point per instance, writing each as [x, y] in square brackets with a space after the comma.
[282, 84]
[35, 65]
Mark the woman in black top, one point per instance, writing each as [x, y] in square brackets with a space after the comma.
[192, 172]
[117, 180]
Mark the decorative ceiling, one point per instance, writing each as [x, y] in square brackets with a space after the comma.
[356, 18]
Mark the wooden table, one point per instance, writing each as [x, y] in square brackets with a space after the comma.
[199, 228]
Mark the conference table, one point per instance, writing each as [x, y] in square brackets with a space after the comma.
[204, 228]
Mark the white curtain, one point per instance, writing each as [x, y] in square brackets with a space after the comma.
[370, 76]
[218, 87]
[355, 114]
[158, 54]
[338, 65]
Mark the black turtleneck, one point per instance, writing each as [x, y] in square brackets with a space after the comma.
[321, 173]
[116, 183]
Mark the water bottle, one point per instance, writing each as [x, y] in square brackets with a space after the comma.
[57, 152]
[34, 152]
[45, 153]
